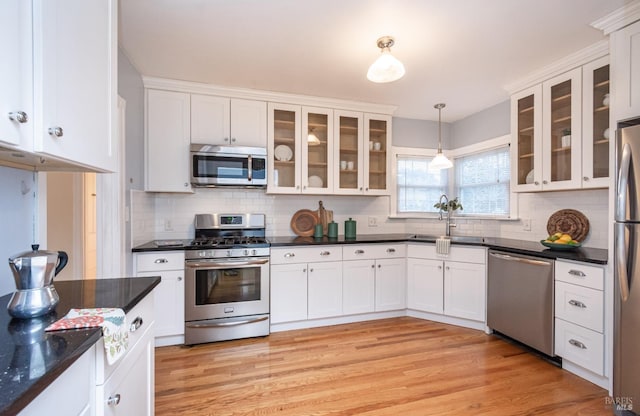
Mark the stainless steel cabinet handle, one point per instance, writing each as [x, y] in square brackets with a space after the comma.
[577, 303]
[311, 270]
[373, 266]
[19, 116]
[585, 178]
[233, 140]
[179, 278]
[158, 261]
[577, 273]
[210, 324]
[289, 255]
[359, 252]
[325, 253]
[304, 270]
[361, 188]
[391, 250]
[56, 131]
[186, 184]
[113, 400]
[226, 139]
[379, 266]
[536, 183]
[136, 324]
[578, 344]
[439, 267]
[447, 268]
[545, 182]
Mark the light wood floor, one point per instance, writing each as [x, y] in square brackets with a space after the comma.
[400, 366]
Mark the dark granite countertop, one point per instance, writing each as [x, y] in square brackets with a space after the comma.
[532, 248]
[32, 359]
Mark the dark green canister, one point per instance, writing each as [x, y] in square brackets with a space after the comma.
[333, 230]
[349, 228]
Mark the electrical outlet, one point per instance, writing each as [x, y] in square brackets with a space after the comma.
[526, 224]
[372, 221]
[167, 225]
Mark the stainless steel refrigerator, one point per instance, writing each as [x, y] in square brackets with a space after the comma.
[626, 372]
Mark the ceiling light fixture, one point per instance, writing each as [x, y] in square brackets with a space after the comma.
[440, 161]
[386, 68]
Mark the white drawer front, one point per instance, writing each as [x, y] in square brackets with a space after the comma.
[139, 320]
[373, 251]
[580, 305]
[459, 253]
[579, 345]
[159, 260]
[296, 254]
[580, 274]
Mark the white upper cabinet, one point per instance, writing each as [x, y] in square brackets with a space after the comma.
[377, 133]
[16, 103]
[75, 73]
[625, 51]
[317, 150]
[284, 148]
[526, 139]
[349, 152]
[167, 141]
[228, 121]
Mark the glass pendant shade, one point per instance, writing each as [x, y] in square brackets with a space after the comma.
[312, 139]
[439, 162]
[386, 68]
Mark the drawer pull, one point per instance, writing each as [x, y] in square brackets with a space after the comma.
[136, 324]
[113, 400]
[325, 253]
[159, 261]
[391, 250]
[289, 255]
[577, 273]
[359, 252]
[577, 303]
[577, 344]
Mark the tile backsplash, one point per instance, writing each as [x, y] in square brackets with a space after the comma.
[167, 216]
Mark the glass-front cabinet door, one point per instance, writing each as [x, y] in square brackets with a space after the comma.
[562, 131]
[348, 152]
[377, 141]
[526, 152]
[595, 130]
[317, 146]
[285, 154]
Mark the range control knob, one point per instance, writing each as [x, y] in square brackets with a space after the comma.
[229, 253]
[254, 252]
[246, 252]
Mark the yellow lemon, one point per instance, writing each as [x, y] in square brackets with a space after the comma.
[565, 238]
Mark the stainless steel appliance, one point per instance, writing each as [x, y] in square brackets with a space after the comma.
[33, 272]
[227, 279]
[626, 370]
[228, 166]
[520, 299]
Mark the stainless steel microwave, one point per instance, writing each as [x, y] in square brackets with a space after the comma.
[213, 165]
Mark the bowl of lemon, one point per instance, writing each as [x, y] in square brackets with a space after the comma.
[561, 241]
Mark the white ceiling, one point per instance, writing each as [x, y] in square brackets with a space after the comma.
[461, 52]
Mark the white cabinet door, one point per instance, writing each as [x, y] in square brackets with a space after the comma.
[625, 54]
[358, 286]
[75, 67]
[465, 290]
[248, 123]
[167, 142]
[348, 152]
[324, 289]
[390, 284]
[317, 150]
[377, 148]
[16, 72]
[526, 140]
[168, 300]
[284, 168]
[425, 285]
[210, 119]
[288, 293]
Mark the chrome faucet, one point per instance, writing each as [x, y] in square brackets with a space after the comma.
[448, 225]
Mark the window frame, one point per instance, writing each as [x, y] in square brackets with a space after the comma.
[480, 147]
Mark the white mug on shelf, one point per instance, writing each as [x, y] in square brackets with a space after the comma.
[370, 145]
[343, 164]
[377, 146]
[606, 100]
[350, 165]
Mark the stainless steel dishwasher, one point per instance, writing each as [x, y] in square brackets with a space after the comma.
[520, 299]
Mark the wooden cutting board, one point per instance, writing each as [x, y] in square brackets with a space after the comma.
[325, 216]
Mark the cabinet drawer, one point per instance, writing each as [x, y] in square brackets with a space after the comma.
[580, 345]
[580, 274]
[373, 251]
[297, 254]
[159, 260]
[580, 305]
[139, 320]
[463, 254]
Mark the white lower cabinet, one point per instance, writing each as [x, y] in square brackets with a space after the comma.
[324, 289]
[358, 286]
[452, 284]
[391, 288]
[288, 293]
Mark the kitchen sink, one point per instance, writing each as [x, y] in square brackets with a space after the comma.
[454, 238]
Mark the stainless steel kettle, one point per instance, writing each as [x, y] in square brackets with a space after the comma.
[33, 272]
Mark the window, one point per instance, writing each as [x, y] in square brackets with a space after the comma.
[482, 182]
[418, 189]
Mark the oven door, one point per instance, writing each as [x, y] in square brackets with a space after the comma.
[212, 169]
[220, 288]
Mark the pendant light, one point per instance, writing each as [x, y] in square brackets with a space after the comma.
[440, 161]
[386, 68]
[312, 139]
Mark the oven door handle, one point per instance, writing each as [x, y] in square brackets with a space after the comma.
[210, 324]
[220, 264]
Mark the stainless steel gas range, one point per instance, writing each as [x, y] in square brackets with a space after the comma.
[227, 278]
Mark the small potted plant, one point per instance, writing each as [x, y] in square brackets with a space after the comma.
[452, 205]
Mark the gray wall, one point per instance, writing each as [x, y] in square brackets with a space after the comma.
[409, 132]
[130, 88]
[483, 125]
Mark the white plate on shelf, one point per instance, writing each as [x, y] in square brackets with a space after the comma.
[529, 178]
[315, 181]
[283, 153]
